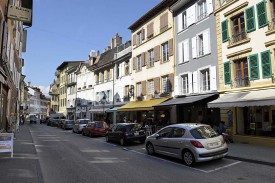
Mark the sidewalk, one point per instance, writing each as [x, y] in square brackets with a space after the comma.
[24, 166]
[252, 153]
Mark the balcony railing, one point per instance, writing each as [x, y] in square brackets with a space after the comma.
[71, 80]
[271, 24]
[237, 37]
[241, 82]
[202, 16]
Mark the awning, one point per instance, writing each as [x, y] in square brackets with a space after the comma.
[99, 110]
[185, 100]
[114, 109]
[145, 105]
[242, 99]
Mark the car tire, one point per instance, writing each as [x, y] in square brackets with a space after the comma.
[122, 142]
[83, 133]
[188, 158]
[150, 148]
[107, 138]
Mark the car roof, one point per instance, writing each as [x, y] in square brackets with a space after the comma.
[188, 125]
[125, 124]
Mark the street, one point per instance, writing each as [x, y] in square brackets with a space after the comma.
[68, 157]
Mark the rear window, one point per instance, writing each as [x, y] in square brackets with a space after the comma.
[203, 132]
[83, 121]
[69, 122]
[133, 127]
[99, 125]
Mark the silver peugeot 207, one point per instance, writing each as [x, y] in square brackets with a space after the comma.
[190, 142]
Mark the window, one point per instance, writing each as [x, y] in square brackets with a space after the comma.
[151, 88]
[184, 20]
[241, 72]
[262, 17]
[102, 77]
[126, 93]
[183, 49]
[139, 89]
[184, 84]
[108, 75]
[117, 71]
[165, 132]
[96, 78]
[165, 84]
[200, 45]
[205, 80]
[178, 132]
[151, 58]
[139, 63]
[266, 64]
[139, 38]
[202, 9]
[238, 25]
[164, 48]
[127, 68]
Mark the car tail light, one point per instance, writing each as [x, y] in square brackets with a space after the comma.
[196, 144]
[126, 134]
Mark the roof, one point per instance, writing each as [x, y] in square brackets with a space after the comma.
[71, 70]
[154, 11]
[65, 63]
[105, 58]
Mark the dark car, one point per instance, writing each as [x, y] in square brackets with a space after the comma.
[95, 128]
[32, 120]
[43, 121]
[54, 122]
[67, 124]
[126, 132]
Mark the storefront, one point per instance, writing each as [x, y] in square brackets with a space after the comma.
[98, 113]
[251, 113]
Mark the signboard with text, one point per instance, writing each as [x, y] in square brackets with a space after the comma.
[20, 13]
[6, 143]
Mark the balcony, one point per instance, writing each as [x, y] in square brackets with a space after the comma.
[202, 16]
[238, 38]
[123, 50]
[71, 81]
[57, 82]
[241, 82]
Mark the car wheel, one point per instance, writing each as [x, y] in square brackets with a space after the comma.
[150, 148]
[107, 138]
[83, 133]
[122, 142]
[188, 158]
[90, 134]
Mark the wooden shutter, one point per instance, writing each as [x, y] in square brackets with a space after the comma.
[180, 52]
[225, 31]
[157, 84]
[143, 34]
[227, 72]
[163, 22]
[250, 19]
[143, 88]
[176, 85]
[134, 63]
[150, 30]
[194, 47]
[195, 82]
[266, 64]
[143, 59]
[254, 67]
[206, 41]
[261, 12]
[191, 15]
[156, 53]
[171, 81]
[190, 82]
[170, 47]
[134, 39]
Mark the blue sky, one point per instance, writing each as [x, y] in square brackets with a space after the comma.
[66, 30]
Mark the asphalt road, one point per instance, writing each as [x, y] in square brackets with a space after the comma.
[66, 157]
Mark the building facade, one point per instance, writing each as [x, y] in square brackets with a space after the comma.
[71, 92]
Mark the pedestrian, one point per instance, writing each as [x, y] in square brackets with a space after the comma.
[222, 128]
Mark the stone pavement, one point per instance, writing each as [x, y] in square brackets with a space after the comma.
[24, 167]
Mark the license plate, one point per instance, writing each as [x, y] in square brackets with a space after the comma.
[214, 144]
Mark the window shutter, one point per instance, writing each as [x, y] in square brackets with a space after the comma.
[143, 34]
[111, 74]
[213, 78]
[209, 6]
[186, 50]
[134, 63]
[191, 15]
[190, 82]
[156, 53]
[150, 30]
[180, 51]
[122, 69]
[179, 21]
[143, 59]
[176, 85]
[227, 72]
[194, 47]
[157, 84]
[261, 12]
[254, 67]
[134, 40]
[170, 47]
[266, 64]
[171, 81]
[206, 41]
[250, 19]
[225, 31]
[163, 22]
[195, 82]
[143, 88]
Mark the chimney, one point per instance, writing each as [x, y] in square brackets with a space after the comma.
[116, 41]
[92, 53]
[29, 83]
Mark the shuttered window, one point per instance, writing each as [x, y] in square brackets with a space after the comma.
[250, 19]
[254, 67]
[225, 31]
[261, 13]
[227, 72]
[266, 64]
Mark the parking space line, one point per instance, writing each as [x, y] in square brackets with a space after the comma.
[226, 166]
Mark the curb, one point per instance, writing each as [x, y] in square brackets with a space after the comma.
[251, 160]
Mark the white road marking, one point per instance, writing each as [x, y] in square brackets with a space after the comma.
[55, 140]
[48, 137]
[106, 161]
[93, 150]
[226, 166]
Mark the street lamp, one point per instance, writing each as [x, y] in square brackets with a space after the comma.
[103, 100]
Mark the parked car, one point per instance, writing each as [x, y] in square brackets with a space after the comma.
[43, 121]
[54, 122]
[32, 119]
[126, 132]
[49, 122]
[95, 128]
[60, 123]
[79, 124]
[190, 142]
[67, 124]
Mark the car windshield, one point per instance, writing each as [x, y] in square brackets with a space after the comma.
[203, 132]
[133, 127]
[69, 122]
[99, 125]
[83, 121]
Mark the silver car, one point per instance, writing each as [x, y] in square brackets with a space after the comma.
[190, 142]
[79, 124]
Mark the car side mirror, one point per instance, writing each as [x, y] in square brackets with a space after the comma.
[158, 136]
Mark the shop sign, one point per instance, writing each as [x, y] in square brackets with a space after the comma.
[6, 143]
[20, 14]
